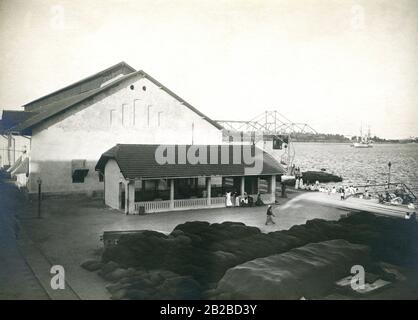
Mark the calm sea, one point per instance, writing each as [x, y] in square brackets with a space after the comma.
[357, 165]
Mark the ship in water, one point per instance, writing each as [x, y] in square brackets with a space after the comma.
[364, 141]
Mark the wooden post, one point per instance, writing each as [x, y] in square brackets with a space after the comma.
[273, 189]
[131, 196]
[389, 165]
[242, 185]
[126, 197]
[39, 197]
[171, 193]
[209, 189]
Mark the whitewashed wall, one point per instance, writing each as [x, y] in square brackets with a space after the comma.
[117, 116]
[113, 177]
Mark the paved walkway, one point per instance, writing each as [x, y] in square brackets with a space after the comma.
[17, 280]
[353, 203]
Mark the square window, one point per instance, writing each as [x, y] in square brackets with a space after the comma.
[78, 170]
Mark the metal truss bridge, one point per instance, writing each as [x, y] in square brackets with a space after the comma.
[267, 123]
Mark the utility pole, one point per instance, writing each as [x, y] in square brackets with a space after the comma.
[39, 196]
[389, 166]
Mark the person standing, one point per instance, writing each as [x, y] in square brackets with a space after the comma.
[270, 215]
[342, 190]
[284, 190]
[237, 200]
[233, 198]
[228, 199]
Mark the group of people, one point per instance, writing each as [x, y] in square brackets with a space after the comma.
[299, 184]
[347, 191]
[232, 199]
[399, 196]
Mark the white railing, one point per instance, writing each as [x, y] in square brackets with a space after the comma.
[218, 201]
[191, 203]
[153, 206]
[178, 204]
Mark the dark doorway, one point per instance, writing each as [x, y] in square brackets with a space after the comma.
[121, 196]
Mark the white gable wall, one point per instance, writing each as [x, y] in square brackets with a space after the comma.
[124, 116]
[113, 177]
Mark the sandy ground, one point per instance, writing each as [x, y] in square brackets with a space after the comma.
[69, 231]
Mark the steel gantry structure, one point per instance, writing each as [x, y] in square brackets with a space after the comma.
[269, 126]
[267, 123]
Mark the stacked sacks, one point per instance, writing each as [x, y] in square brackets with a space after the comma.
[392, 240]
[308, 271]
[204, 252]
[186, 251]
[155, 284]
[321, 176]
[145, 249]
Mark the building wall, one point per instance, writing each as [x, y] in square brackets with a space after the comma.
[113, 177]
[121, 115]
[3, 151]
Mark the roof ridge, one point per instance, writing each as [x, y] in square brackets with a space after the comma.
[119, 64]
[22, 126]
[88, 94]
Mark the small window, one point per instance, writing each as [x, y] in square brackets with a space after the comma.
[79, 170]
[101, 177]
[132, 87]
[144, 88]
[78, 178]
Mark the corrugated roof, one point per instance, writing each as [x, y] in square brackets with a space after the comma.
[138, 161]
[57, 107]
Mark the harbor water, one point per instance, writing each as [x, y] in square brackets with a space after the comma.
[359, 165]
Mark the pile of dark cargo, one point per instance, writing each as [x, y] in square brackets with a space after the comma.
[320, 176]
[190, 261]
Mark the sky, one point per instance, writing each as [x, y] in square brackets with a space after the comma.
[334, 64]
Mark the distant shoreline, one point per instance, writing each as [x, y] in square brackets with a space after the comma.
[348, 143]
